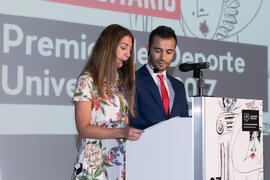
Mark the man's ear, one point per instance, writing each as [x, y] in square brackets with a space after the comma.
[148, 51]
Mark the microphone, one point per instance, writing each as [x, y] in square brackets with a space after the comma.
[154, 68]
[184, 67]
[123, 61]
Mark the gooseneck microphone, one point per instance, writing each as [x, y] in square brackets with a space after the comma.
[184, 67]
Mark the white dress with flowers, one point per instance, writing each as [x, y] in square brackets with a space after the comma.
[101, 159]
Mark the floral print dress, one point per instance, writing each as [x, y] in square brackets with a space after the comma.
[101, 159]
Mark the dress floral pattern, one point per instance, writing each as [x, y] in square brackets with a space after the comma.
[101, 159]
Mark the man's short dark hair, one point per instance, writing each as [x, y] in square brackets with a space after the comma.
[164, 32]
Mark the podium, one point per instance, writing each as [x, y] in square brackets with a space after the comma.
[222, 141]
[161, 151]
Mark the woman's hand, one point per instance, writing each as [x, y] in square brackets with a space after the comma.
[132, 134]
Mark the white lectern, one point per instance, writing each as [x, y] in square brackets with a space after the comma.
[164, 151]
[228, 138]
[222, 141]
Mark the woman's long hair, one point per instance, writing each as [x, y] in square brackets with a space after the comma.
[102, 65]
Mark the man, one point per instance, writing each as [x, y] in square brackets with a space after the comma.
[158, 95]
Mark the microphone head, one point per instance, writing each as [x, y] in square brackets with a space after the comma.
[207, 65]
[155, 70]
[125, 63]
[184, 67]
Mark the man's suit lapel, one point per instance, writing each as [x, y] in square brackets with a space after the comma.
[150, 83]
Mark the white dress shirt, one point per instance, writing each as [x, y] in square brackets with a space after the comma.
[167, 83]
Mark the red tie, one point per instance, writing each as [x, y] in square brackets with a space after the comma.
[164, 95]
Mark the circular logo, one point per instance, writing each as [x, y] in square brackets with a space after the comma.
[246, 117]
[220, 126]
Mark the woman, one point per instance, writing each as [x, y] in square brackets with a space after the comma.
[104, 95]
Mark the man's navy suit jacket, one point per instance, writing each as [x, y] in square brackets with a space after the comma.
[149, 106]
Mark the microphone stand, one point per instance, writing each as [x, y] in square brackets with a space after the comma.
[198, 73]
